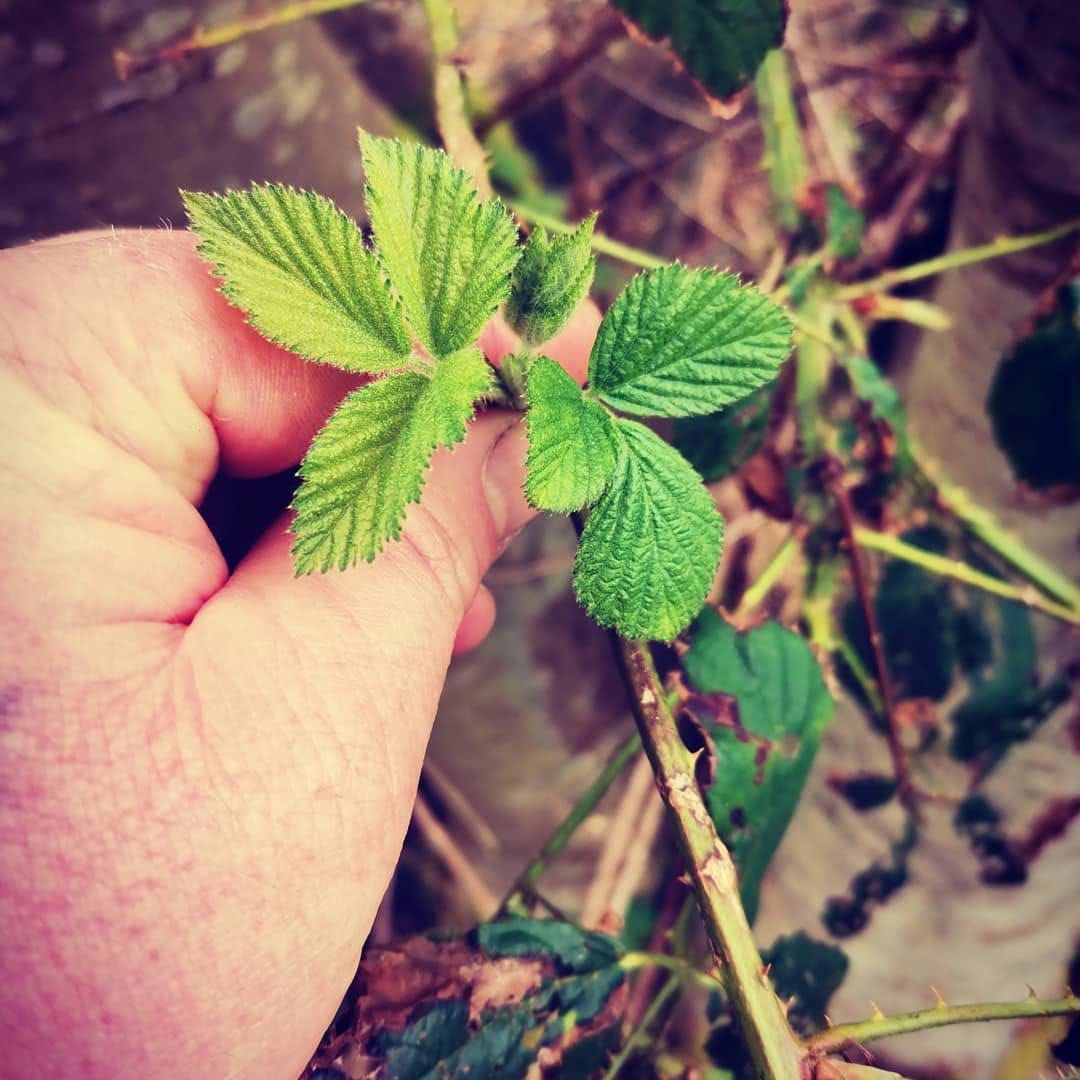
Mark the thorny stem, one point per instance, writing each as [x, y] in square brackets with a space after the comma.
[959, 571]
[572, 822]
[1003, 245]
[883, 1027]
[905, 789]
[451, 108]
[201, 39]
[769, 1039]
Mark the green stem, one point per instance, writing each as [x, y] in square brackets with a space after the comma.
[588, 802]
[636, 1036]
[759, 589]
[634, 960]
[986, 528]
[451, 108]
[771, 1044]
[785, 158]
[200, 39]
[883, 1027]
[952, 260]
[600, 243]
[958, 571]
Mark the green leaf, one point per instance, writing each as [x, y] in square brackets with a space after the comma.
[430, 1039]
[650, 546]
[579, 951]
[1034, 401]
[808, 970]
[550, 281]
[720, 42]
[721, 443]
[680, 342]
[448, 255]
[368, 462]
[871, 386]
[572, 441]
[298, 267]
[764, 753]
[844, 223]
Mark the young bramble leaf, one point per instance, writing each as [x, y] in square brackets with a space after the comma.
[572, 442]
[651, 544]
[368, 462]
[297, 265]
[681, 342]
[448, 255]
[549, 282]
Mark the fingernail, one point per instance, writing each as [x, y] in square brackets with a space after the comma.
[504, 483]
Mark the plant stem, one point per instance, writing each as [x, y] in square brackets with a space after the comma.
[634, 960]
[883, 1027]
[759, 589]
[605, 245]
[992, 534]
[451, 108]
[200, 39]
[588, 802]
[905, 788]
[952, 260]
[670, 986]
[785, 158]
[763, 1022]
[959, 571]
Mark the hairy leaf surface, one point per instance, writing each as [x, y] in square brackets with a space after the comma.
[680, 342]
[549, 282]
[368, 462]
[572, 442]
[448, 254]
[298, 267]
[765, 747]
[721, 42]
[651, 544]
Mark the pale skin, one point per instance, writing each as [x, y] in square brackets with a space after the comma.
[205, 778]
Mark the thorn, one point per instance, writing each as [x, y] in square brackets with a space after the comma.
[828, 1020]
[765, 971]
[1032, 996]
[790, 1004]
[939, 1001]
[876, 1013]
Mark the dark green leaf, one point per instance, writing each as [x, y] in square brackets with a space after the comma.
[1034, 401]
[844, 223]
[588, 994]
[579, 951]
[586, 1056]
[719, 444]
[764, 755]
[428, 1040]
[809, 971]
[721, 42]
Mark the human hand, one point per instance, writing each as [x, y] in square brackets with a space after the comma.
[205, 779]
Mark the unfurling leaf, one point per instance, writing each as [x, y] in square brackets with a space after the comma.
[680, 342]
[368, 462]
[721, 42]
[549, 282]
[651, 544]
[572, 441]
[297, 265]
[448, 255]
[764, 749]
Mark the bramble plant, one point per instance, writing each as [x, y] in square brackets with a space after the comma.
[676, 343]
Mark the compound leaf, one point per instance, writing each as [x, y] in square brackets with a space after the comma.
[549, 282]
[572, 441]
[721, 42]
[681, 342]
[448, 255]
[368, 462]
[765, 747]
[650, 547]
[298, 267]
